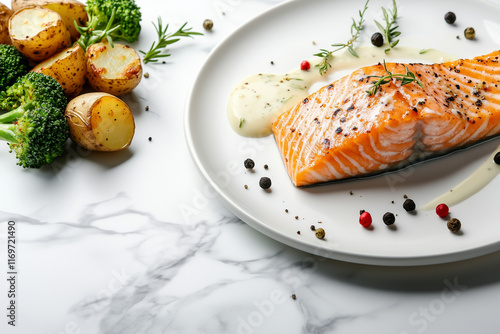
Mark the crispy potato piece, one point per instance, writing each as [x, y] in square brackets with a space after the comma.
[68, 9]
[115, 70]
[38, 32]
[68, 68]
[5, 14]
[100, 122]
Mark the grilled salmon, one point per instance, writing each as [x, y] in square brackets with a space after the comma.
[343, 131]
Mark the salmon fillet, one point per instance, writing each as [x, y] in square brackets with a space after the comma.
[340, 131]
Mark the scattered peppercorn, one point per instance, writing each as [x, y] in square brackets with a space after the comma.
[409, 205]
[265, 182]
[497, 158]
[450, 17]
[147, 108]
[442, 210]
[313, 227]
[454, 225]
[246, 186]
[294, 296]
[388, 218]
[298, 232]
[469, 33]
[266, 167]
[320, 233]
[305, 65]
[377, 39]
[365, 219]
[208, 24]
[150, 139]
[146, 75]
[249, 164]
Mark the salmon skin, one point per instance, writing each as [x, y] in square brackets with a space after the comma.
[341, 131]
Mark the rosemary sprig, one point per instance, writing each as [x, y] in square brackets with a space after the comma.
[390, 30]
[165, 40]
[356, 28]
[406, 78]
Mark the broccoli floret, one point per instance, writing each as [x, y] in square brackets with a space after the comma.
[34, 124]
[113, 20]
[13, 64]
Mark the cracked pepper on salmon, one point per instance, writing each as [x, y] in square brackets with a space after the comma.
[341, 131]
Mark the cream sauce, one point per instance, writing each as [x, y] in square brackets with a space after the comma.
[483, 175]
[258, 99]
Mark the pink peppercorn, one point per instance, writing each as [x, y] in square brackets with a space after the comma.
[305, 66]
[442, 210]
[365, 219]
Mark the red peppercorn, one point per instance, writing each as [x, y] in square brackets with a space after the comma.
[305, 66]
[365, 219]
[442, 210]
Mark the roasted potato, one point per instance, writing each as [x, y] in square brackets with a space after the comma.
[5, 14]
[68, 9]
[115, 70]
[68, 68]
[38, 32]
[100, 122]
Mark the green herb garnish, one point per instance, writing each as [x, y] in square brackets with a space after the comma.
[390, 30]
[356, 28]
[406, 78]
[165, 40]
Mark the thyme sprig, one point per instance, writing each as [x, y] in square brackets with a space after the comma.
[165, 40]
[356, 28]
[390, 31]
[405, 79]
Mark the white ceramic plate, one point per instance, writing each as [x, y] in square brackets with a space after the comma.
[276, 42]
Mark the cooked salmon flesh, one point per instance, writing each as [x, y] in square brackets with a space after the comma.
[343, 131]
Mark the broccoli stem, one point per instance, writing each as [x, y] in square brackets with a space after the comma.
[7, 133]
[11, 116]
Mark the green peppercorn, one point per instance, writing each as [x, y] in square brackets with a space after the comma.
[454, 225]
[450, 17]
[389, 218]
[469, 33]
[377, 39]
[208, 24]
[320, 233]
[265, 182]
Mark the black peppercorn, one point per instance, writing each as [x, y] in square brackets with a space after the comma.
[450, 17]
[454, 225]
[265, 182]
[497, 158]
[249, 164]
[377, 39]
[389, 218]
[409, 205]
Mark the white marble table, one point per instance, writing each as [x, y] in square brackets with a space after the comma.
[106, 247]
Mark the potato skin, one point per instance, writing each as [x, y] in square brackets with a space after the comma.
[5, 14]
[68, 68]
[116, 70]
[100, 122]
[68, 9]
[53, 38]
